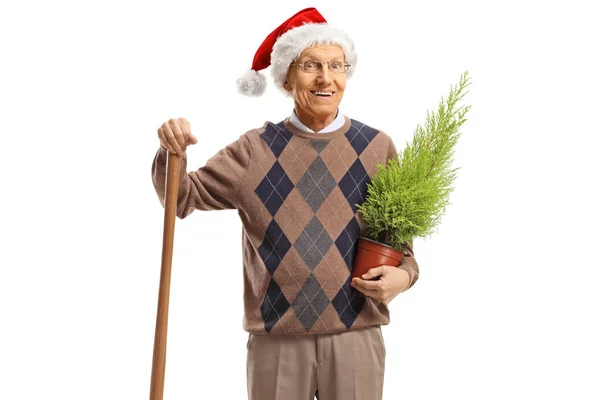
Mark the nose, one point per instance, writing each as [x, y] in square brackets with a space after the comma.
[324, 75]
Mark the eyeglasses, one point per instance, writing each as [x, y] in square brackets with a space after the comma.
[337, 67]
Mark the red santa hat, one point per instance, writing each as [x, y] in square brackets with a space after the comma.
[285, 44]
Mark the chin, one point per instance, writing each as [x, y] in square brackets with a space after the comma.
[322, 111]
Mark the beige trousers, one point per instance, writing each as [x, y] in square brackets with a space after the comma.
[333, 366]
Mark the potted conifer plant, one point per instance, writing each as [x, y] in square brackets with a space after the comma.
[407, 197]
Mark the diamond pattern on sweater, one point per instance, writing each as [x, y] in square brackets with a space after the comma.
[313, 243]
[311, 190]
[331, 272]
[335, 213]
[296, 158]
[360, 135]
[348, 303]
[316, 184]
[347, 242]
[310, 302]
[274, 188]
[273, 306]
[338, 157]
[291, 274]
[294, 214]
[274, 247]
[319, 145]
[354, 184]
[276, 137]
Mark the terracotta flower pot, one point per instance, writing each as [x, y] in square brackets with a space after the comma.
[372, 254]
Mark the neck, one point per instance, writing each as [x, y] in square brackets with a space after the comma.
[315, 122]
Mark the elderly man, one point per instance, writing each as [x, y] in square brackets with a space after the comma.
[295, 184]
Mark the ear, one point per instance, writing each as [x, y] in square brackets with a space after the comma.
[288, 85]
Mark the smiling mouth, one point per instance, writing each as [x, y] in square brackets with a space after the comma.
[322, 94]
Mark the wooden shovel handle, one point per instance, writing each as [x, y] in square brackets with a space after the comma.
[159, 358]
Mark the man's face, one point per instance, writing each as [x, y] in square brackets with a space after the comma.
[318, 94]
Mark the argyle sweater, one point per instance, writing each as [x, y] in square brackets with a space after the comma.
[296, 194]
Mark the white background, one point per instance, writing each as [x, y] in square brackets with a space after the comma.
[507, 303]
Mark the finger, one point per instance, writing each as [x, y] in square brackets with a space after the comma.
[169, 148]
[192, 139]
[164, 141]
[179, 133]
[171, 139]
[185, 125]
[370, 285]
[187, 128]
[374, 272]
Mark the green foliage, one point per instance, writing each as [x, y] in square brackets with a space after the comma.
[407, 197]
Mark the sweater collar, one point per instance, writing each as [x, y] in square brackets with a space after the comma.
[312, 135]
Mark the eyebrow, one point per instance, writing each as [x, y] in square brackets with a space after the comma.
[315, 58]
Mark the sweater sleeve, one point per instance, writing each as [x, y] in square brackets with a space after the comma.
[408, 263]
[392, 152]
[215, 186]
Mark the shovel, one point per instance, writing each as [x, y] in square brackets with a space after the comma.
[157, 383]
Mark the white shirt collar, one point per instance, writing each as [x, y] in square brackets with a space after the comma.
[337, 123]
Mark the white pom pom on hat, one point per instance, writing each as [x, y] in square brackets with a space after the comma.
[304, 29]
[252, 83]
